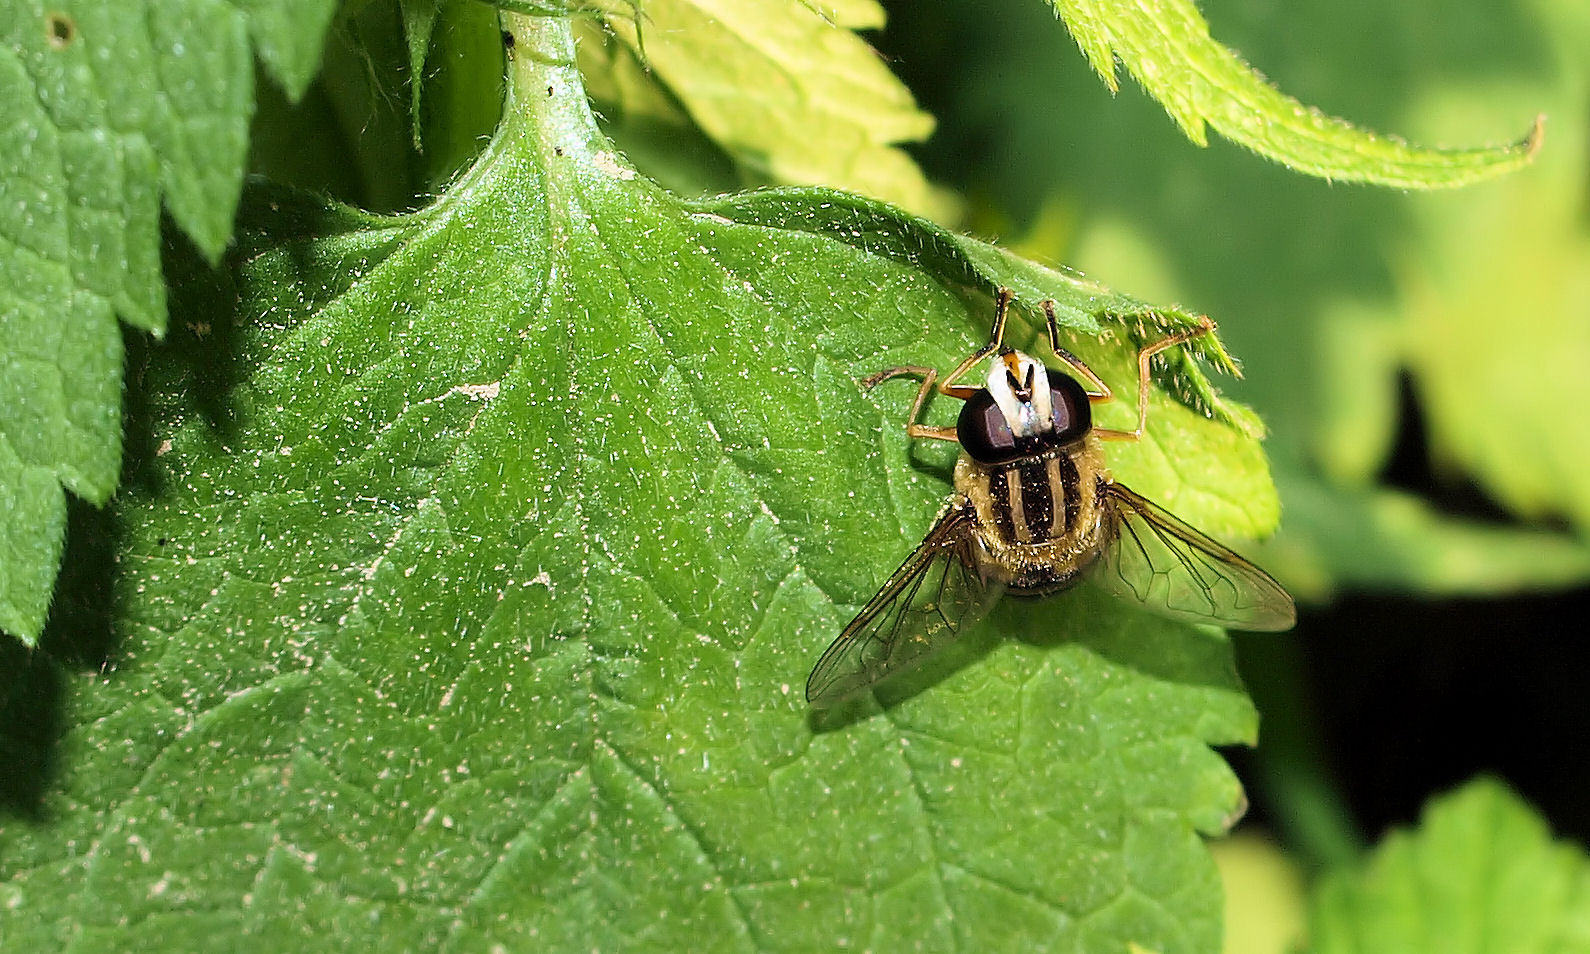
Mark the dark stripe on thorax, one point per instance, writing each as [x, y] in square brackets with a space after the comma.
[999, 498]
[1023, 495]
[1071, 481]
[1034, 483]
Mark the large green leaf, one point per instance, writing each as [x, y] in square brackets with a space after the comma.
[1479, 875]
[109, 107]
[467, 601]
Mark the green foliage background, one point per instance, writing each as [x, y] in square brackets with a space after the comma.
[474, 537]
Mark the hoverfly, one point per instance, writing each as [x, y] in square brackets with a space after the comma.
[1034, 512]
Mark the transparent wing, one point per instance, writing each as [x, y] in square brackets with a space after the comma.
[1168, 567]
[923, 607]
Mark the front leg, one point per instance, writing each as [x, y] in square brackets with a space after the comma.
[996, 342]
[948, 387]
[913, 426]
[1097, 391]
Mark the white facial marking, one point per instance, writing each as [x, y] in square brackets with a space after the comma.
[1027, 418]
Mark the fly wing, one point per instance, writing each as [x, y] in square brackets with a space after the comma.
[924, 606]
[1170, 568]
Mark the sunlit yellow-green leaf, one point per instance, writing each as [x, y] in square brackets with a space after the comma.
[788, 89]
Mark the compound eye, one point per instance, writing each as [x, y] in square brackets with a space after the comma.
[1073, 414]
[983, 431]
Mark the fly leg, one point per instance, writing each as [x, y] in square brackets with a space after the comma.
[1205, 326]
[1097, 390]
[996, 340]
[947, 387]
[914, 426]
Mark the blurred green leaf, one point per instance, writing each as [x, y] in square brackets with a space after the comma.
[1265, 901]
[419, 23]
[351, 134]
[1515, 256]
[473, 565]
[784, 86]
[647, 122]
[1480, 874]
[1165, 45]
[463, 82]
[1383, 540]
[109, 107]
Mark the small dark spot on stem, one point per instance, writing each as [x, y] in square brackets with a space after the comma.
[59, 30]
[160, 542]
[549, 91]
[557, 150]
[507, 41]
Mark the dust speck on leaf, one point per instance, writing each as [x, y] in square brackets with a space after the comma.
[479, 392]
[608, 163]
[59, 30]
